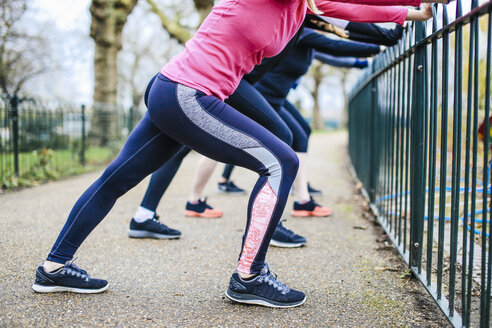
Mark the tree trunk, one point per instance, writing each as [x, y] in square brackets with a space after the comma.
[318, 77]
[344, 118]
[108, 19]
[203, 7]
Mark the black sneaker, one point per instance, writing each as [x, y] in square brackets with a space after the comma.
[283, 237]
[264, 289]
[68, 278]
[314, 192]
[229, 187]
[152, 228]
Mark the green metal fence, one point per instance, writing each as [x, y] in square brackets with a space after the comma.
[415, 144]
[42, 140]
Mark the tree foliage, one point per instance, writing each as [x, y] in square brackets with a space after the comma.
[23, 54]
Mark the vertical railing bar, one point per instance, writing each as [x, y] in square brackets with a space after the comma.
[392, 144]
[382, 108]
[417, 191]
[426, 127]
[484, 320]
[486, 182]
[474, 26]
[408, 136]
[387, 111]
[443, 163]
[456, 167]
[432, 151]
[467, 173]
[399, 161]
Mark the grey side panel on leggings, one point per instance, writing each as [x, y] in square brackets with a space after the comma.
[270, 162]
[191, 108]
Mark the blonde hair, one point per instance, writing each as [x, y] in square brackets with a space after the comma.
[312, 5]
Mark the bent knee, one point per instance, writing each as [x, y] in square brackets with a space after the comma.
[289, 162]
[284, 134]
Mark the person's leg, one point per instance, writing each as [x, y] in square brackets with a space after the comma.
[197, 203]
[160, 180]
[226, 174]
[220, 132]
[145, 223]
[146, 149]
[204, 169]
[228, 186]
[304, 204]
[248, 101]
[294, 112]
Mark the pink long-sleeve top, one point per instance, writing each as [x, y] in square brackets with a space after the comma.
[238, 34]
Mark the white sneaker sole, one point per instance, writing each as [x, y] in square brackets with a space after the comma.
[276, 243]
[262, 302]
[58, 289]
[148, 234]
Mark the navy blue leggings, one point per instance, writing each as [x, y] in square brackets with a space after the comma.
[247, 100]
[298, 126]
[160, 180]
[179, 115]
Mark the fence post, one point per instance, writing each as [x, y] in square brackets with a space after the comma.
[82, 146]
[14, 108]
[374, 152]
[417, 179]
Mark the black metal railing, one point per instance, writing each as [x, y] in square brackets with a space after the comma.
[42, 140]
[419, 142]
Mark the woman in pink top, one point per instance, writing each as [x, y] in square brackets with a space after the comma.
[186, 108]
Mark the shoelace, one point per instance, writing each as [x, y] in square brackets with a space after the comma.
[73, 270]
[280, 226]
[271, 278]
[314, 203]
[204, 202]
[156, 219]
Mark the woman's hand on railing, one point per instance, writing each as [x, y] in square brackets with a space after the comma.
[422, 14]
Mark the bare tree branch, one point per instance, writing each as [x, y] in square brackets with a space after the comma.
[175, 30]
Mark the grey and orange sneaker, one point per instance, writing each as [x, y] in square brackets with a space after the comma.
[310, 208]
[202, 210]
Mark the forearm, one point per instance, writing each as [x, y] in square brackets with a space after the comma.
[364, 13]
[413, 3]
[335, 61]
[330, 46]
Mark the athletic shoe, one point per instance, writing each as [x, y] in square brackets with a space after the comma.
[202, 210]
[264, 289]
[283, 237]
[152, 228]
[310, 208]
[229, 187]
[314, 192]
[68, 278]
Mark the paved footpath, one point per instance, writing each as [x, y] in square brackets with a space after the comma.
[351, 276]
